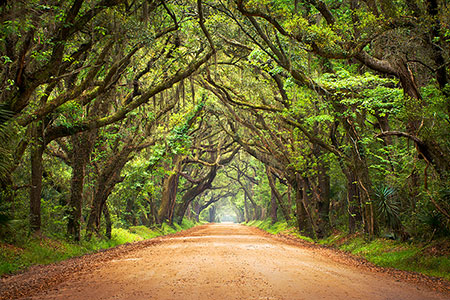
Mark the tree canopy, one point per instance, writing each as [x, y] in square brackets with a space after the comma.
[325, 114]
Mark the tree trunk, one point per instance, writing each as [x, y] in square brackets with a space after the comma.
[360, 169]
[189, 211]
[182, 207]
[96, 208]
[302, 218]
[197, 211]
[273, 208]
[82, 146]
[108, 223]
[301, 213]
[212, 214]
[366, 202]
[75, 201]
[276, 193]
[354, 215]
[36, 153]
[430, 150]
[153, 214]
[311, 229]
[246, 210]
[193, 192]
[129, 214]
[106, 180]
[169, 192]
[323, 204]
[289, 197]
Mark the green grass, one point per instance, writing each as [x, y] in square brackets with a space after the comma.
[34, 251]
[278, 227]
[413, 257]
[396, 254]
[40, 251]
[145, 232]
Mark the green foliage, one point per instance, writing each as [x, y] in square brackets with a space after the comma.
[148, 233]
[36, 251]
[167, 229]
[368, 92]
[31, 251]
[122, 236]
[433, 221]
[347, 116]
[396, 254]
[5, 136]
[5, 219]
[388, 206]
[179, 140]
[382, 252]
[278, 227]
[187, 223]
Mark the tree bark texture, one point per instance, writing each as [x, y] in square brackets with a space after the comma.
[82, 144]
[36, 152]
[273, 208]
[323, 205]
[108, 177]
[276, 194]
[169, 192]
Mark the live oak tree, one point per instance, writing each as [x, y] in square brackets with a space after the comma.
[321, 113]
[87, 79]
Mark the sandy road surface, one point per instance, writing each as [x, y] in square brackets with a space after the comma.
[221, 262]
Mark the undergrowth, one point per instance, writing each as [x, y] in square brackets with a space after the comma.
[416, 257]
[430, 259]
[36, 251]
[278, 227]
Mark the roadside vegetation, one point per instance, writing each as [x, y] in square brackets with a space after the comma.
[332, 116]
[22, 253]
[430, 258]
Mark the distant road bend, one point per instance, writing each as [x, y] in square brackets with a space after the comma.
[227, 262]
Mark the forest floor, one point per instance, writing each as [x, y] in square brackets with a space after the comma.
[220, 261]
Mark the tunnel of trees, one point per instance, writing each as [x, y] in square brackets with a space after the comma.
[325, 114]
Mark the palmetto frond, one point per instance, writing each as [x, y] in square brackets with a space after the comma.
[388, 206]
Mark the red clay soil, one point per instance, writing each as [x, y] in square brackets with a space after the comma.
[219, 262]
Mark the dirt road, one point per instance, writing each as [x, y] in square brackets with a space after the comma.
[225, 262]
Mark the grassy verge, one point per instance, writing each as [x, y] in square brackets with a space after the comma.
[278, 227]
[431, 259]
[34, 251]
